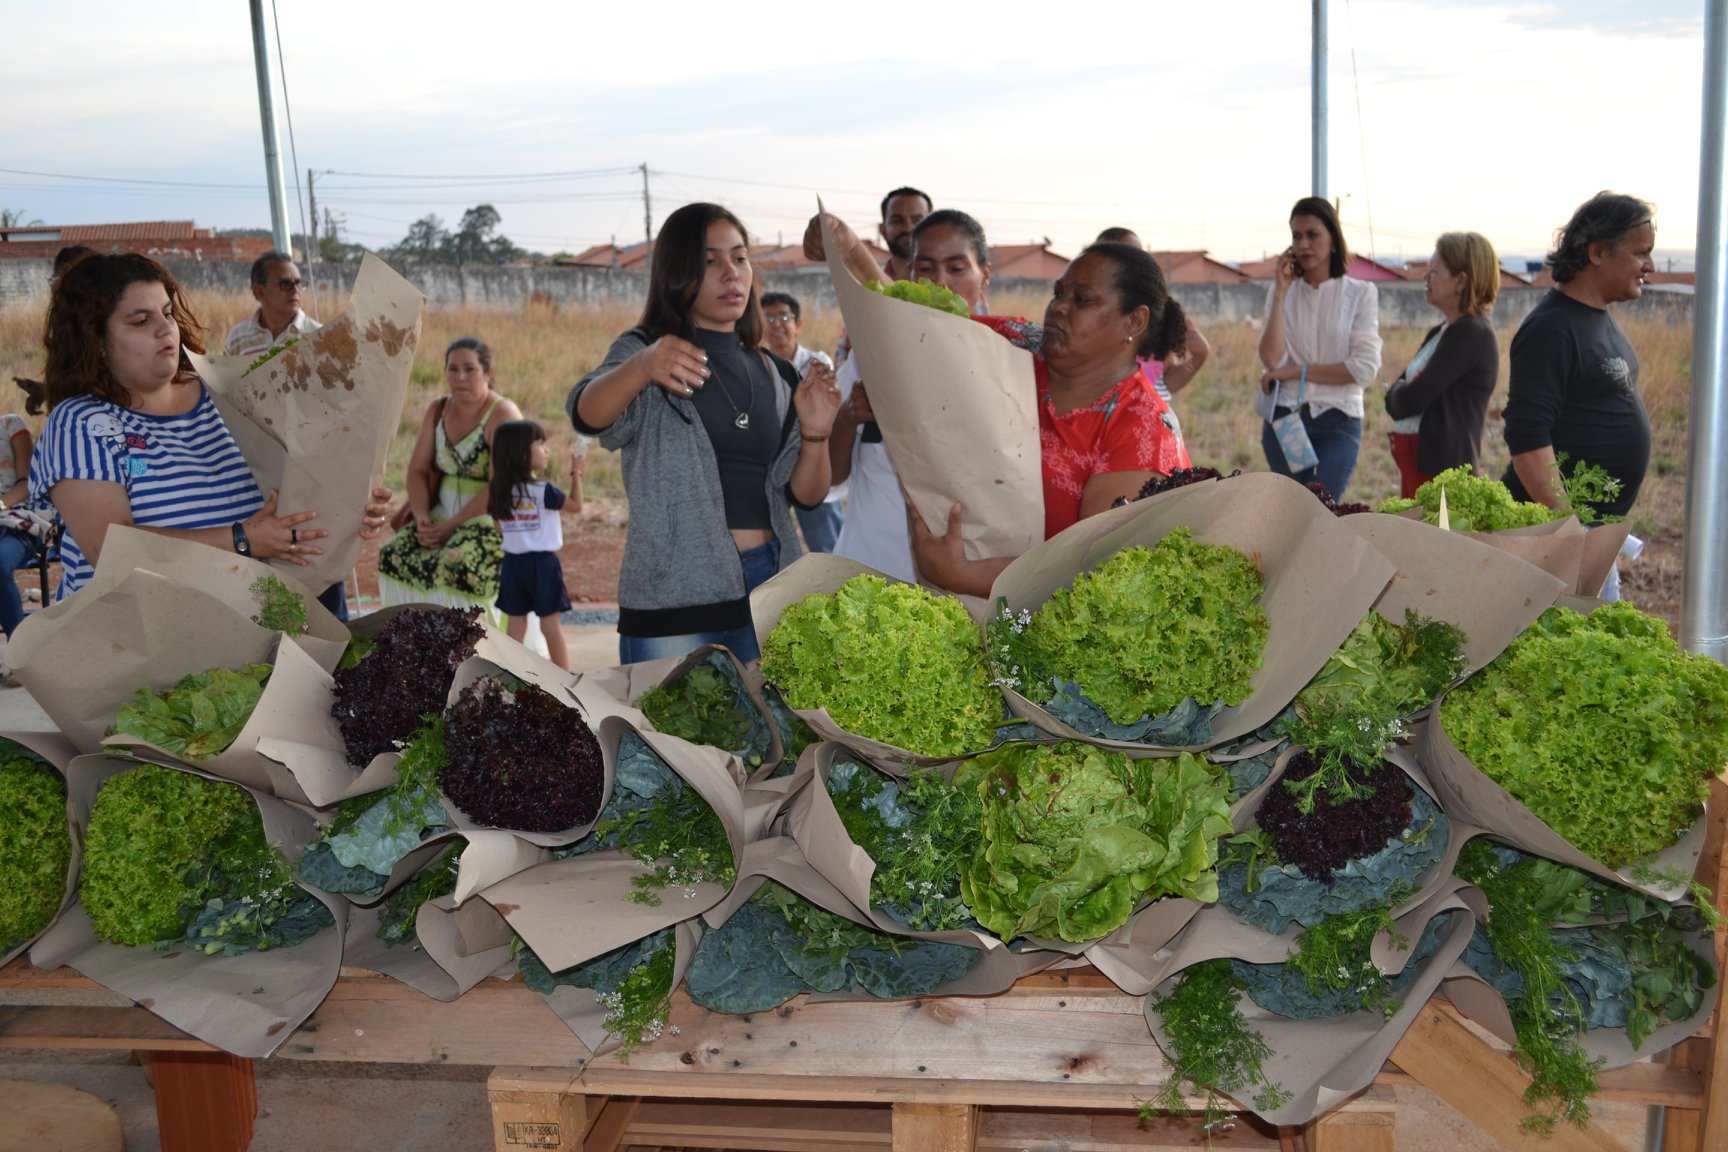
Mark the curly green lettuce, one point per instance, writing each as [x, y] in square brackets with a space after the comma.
[200, 716]
[35, 845]
[1076, 836]
[923, 291]
[1154, 626]
[891, 662]
[1601, 726]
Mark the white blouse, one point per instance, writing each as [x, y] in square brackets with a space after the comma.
[1336, 323]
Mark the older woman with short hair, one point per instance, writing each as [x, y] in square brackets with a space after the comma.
[1440, 401]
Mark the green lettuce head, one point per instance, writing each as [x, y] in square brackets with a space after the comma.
[891, 662]
[35, 845]
[1077, 836]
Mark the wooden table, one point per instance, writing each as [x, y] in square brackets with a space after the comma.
[1062, 1059]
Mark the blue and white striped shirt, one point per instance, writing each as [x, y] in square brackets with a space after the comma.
[178, 471]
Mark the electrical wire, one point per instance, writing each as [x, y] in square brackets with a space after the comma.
[1361, 129]
[122, 180]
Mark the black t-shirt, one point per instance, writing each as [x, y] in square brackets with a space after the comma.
[1574, 386]
[740, 382]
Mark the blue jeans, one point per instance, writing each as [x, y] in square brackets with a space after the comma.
[759, 563]
[820, 525]
[15, 549]
[1337, 439]
[335, 598]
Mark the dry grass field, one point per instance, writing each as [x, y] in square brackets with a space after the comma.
[539, 351]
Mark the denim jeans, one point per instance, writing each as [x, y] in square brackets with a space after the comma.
[759, 564]
[335, 598]
[820, 525]
[1337, 439]
[15, 549]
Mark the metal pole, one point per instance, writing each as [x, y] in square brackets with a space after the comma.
[1318, 70]
[272, 147]
[1704, 603]
[647, 210]
[312, 210]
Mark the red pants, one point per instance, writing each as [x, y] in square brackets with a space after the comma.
[1410, 477]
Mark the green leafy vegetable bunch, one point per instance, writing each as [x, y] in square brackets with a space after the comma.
[280, 608]
[634, 983]
[891, 662]
[268, 355]
[703, 706]
[922, 291]
[1473, 503]
[663, 822]
[398, 914]
[198, 717]
[1213, 1048]
[922, 832]
[1152, 627]
[1601, 726]
[35, 844]
[357, 851]
[1075, 836]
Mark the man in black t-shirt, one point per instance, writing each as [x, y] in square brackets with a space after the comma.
[1574, 383]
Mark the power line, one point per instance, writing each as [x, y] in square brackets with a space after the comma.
[121, 180]
[580, 174]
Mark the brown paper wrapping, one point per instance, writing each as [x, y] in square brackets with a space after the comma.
[1323, 1062]
[52, 747]
[629, 682]
[316, 420]
[957, 405]
[1468, 795]
[582, 1012]
[1491, 593]
[245, 1004]
[577, 908]
[1319, 579]
[1564, 548]
[457, 947]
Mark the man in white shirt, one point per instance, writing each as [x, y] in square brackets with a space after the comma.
[276, 286]
[821, 524]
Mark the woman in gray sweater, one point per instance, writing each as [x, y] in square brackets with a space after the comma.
[718, 436]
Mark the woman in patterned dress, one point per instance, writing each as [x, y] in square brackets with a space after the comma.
[453, 553]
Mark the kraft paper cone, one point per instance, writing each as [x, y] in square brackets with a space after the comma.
[1469, 795]
[52, 748]
[579, 907]
[1490, 593]
[1323, 1062]
[628, 683]
[582, 1012]
[248, 1004]
[1564, 548]
[957, 405]
[316, 420]
[822, 574]
[1319, 579]
[446, 961]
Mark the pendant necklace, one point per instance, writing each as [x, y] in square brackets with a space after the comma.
[740, 417]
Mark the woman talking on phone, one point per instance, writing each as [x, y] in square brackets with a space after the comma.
[1320, 345]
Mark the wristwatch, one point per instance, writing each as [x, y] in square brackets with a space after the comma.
[241, 544]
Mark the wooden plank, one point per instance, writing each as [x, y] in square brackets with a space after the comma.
[762, 1127]
[536, 1110]
[93, 1028]
[609, 1121]
[205, 1101]
[935, 1128]
[1449, 1060]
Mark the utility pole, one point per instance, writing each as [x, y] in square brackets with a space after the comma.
[1319, 113]
[272, 146]
[312, 206]
[647, 210]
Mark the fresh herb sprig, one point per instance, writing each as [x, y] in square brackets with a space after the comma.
[633, 984]
[1333, 956]
[679, 836]
[701, 706]
[922, 832]
[399, 913]
[1213, 1048]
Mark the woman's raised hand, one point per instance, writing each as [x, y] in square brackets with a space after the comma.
[817, 401]
[276, 537]
[1284, 271]
[675, 364]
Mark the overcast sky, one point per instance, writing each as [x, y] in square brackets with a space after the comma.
[1188, 123]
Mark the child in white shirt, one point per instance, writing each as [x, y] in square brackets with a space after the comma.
[526, 511]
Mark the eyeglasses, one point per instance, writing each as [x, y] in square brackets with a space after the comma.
[782, 318]
[286, 284]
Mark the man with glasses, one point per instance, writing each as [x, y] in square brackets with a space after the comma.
[276, 285]
[821, 524]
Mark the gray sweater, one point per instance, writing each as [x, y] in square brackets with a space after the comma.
[681, 571]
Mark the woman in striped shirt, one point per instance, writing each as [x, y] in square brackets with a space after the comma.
[132, 437]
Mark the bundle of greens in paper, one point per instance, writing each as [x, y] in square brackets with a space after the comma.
[1149, 647]
[200, 716]
[795, 734]
[400, 676]
[1213, 1047]
[398, 915]
[517, 758]
[710, 704]
[1478, 504]
[1332, 972]
[1339, 857]
[922, 291]
[171, 856]
[1568, 952]
[356, 852]
[1075, 837]
[634, 983]
[890, 662]
[779, 944]
[35, 844]
[662, 822]
[921, 831]
[1599, 725]
[280, 608]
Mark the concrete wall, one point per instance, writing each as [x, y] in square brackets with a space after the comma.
[1401, 302]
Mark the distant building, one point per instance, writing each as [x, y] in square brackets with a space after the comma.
[1196, 266]
[160, 239]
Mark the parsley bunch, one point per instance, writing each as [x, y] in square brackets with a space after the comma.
[921, 832]
[1212, 1047]
[633, 983]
